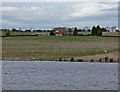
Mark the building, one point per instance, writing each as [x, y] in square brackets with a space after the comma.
[63, 31]
[111, 29]
[60, 31]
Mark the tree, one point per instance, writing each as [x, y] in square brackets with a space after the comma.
[104, 30]
[99, 31]
[28, 30]
[13, 30]
[93, 30]
[75, 32]
[96, 31]
[7, 34]
[52, 33]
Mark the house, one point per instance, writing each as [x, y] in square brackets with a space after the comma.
[60, 31]
[63, 31]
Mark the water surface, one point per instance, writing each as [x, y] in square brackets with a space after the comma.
[59, 76]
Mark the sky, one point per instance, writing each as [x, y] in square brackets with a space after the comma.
[47, 15]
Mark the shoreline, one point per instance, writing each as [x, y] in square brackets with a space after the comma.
[97, 57]
[90, 58]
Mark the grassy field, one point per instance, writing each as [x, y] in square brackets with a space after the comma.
[111, 34]
[15, 33]
[53, 48]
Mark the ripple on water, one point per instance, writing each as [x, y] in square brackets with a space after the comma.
[62, 76]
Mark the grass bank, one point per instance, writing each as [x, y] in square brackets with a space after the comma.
[54, 48]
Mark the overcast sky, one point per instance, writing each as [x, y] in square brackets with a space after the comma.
[46, 15]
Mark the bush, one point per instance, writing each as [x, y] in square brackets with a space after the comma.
[52, 33]
[7, 34]
[100, 60]
[111, 60]
[71, 59]
[60, 59]
[106, 59]
[79, 60]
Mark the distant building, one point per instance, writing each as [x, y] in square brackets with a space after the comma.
[111, 29]
[70, 32]
[60, 31]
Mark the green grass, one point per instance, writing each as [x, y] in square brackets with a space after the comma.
[65, 38]
[15, 33]
[53, 48]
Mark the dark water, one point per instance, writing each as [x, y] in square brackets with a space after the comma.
[59, 76]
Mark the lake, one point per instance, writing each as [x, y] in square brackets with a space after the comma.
[50, 75]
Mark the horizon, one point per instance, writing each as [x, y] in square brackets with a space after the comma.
[88, 27]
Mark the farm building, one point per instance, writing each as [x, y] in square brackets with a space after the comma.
[63, 31]
[60, 31]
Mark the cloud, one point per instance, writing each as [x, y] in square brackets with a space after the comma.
[91, 9]
[46, 15]
[59, 0]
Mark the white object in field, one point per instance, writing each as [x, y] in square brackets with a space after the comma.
[105, 51]
[33, 58]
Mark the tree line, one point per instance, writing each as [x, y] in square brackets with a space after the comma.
[28, 30]
[95, 31]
